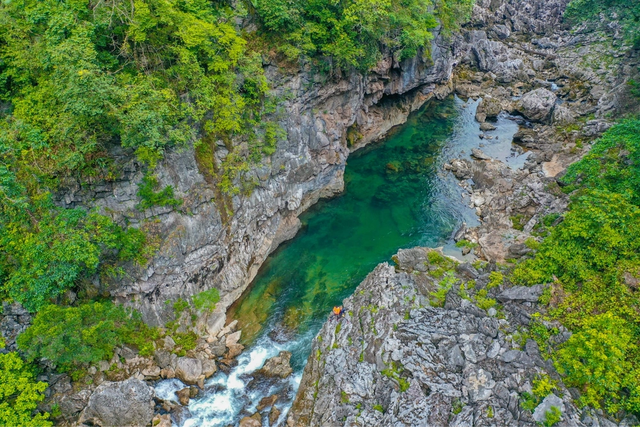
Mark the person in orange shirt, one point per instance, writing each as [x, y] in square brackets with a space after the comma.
[338, 312]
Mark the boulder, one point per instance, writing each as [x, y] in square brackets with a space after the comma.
[265, 402]
[232, 339]
[208, 368]
[412, 259]
[234, 351]
[151, 372]
[522, 293]
[188, 370]
[168, 373]
[229, 329]
[71, 405]
[461, 168]
[487, 127]
[546, 405]
[489, 107]
[250, 422]
[479, 154]
[169, 343]
[537, 104]
[277, 366]
[184, 395]
[162, 358]
[274, 414]
[123, 403]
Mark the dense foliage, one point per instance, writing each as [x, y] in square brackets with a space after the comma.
[79, 76]
[20, 394]
[625, 11]
[352, 32]
[592, 259]
[45, 250]
[73, 337]
[82, 74]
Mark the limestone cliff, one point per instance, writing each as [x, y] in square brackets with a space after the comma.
[205, 244]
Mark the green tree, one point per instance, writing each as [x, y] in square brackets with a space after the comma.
[73, 337]
[20, 394]
[352, 32]
[596, 360]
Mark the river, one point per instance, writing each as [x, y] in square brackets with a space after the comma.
[397, 195]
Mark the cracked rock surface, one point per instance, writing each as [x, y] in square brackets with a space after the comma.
[394, 360]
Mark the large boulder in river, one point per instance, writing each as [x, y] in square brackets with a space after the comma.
[123, 403]
[537, 104]
[188, 370]
[277, 366]
[488, 108]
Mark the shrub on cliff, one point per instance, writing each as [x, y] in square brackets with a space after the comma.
[73, 337]
[627, 12]
[352, 32]
[20, 394]
[45, 250]
[598, 360]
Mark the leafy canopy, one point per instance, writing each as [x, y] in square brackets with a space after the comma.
[73, 337]
[353, 31]
[20, 394]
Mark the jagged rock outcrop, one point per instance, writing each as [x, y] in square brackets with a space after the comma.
[394, 360]
[126, 403]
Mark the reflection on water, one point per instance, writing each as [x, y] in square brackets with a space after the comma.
[396, 196]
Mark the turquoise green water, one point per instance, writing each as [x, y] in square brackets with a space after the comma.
[391, 201]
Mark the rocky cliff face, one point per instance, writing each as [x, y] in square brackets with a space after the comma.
[213, 246]
[394, 360]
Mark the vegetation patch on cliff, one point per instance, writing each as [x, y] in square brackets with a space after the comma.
[352, 32]
[591, 258]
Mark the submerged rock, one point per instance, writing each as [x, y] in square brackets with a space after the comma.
[479, 154]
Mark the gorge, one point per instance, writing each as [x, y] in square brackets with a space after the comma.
[244, 277]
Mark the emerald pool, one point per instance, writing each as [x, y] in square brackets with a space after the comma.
[397, 195]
